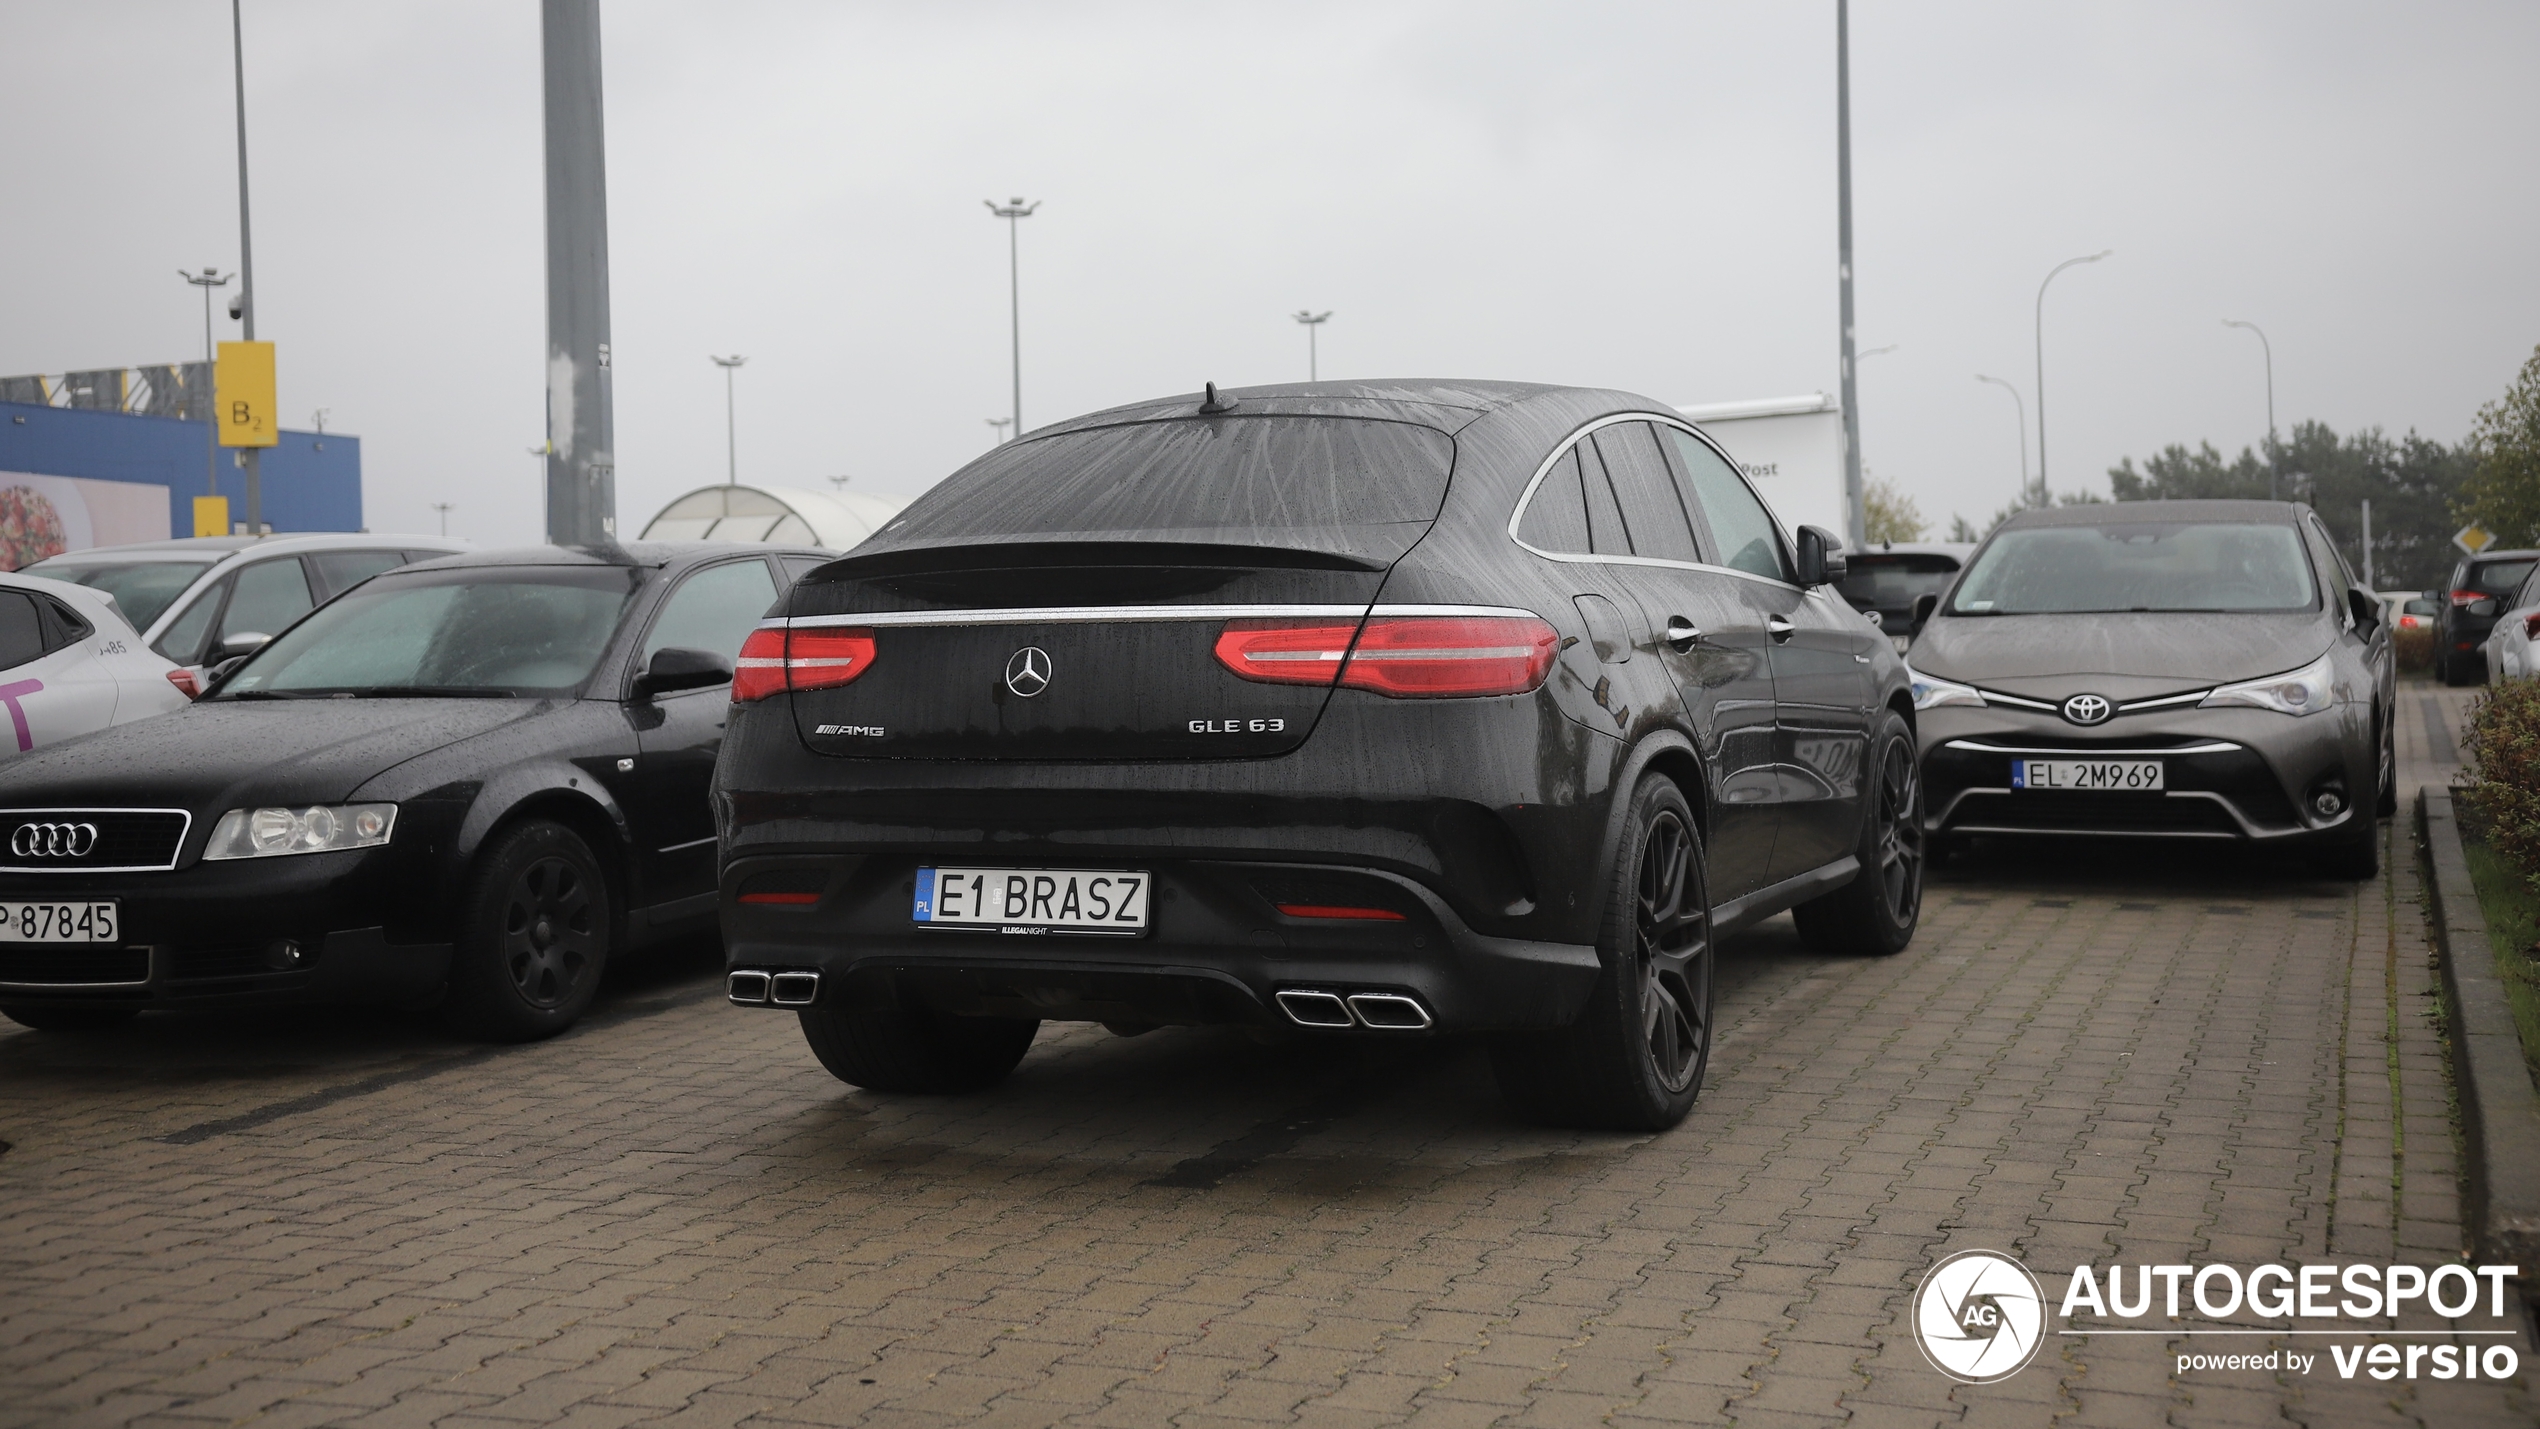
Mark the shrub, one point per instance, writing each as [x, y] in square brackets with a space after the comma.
[2503, 773]
[2413, 648]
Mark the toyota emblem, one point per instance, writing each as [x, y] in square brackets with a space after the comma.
[53, 840]
[2088, 709]
[1028, 673]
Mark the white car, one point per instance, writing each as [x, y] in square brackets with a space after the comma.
[201, 599]
[2513, 645]
[70, 663]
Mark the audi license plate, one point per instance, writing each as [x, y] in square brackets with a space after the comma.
[2133, 774]
[1033, 900]
[59, 923]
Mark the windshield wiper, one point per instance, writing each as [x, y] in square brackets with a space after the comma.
[260, 695]
[455, 692]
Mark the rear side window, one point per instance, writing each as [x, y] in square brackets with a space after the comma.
[268, 596]
[1324, 483]
[340, 571]
[21, 629]
[2497, 577]
[1556, 519]
[182, 641]
[1877, 581]
[714, 609]
[1660, 529]
[1747, 537]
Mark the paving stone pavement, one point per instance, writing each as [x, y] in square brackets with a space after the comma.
[674, 1216]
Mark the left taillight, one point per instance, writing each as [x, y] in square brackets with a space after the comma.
[1399, 656]
[184, 680]
[774, 661]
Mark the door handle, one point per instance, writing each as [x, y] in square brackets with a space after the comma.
[1681, 633]
[1778, 628]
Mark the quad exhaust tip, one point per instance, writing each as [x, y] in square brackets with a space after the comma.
[1377, 1011]
[747, 987]
[794, 989]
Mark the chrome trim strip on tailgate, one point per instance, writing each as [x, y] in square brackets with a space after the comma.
[1112, 614]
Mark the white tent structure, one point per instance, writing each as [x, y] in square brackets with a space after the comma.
[837, 520]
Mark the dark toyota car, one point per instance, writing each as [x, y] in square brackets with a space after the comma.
[2482, 588]
[474, 777]
[2171, 669]
[1369, 709]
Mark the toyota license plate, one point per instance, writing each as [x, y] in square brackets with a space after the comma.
[1033, 900]
[60, 923]
[2088, 774]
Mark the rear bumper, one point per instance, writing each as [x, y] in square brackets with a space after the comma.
[1217, 949]
[2243, 775]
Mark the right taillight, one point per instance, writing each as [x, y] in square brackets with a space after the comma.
[774, 661]
[2531, 627]
[1399, 656]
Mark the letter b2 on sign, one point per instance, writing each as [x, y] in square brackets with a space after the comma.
[243, 395]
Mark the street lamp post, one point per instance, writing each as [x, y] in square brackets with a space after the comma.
[251, 457]
[998, 425]
[1014, 211]
[2275, 456]
[1313, 325]
[207, 280]
[2041, 362]
[444, 508]
[1855, 516]
[731, 442]
[2019, 414]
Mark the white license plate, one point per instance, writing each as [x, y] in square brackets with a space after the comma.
[59, 923]
[2093, 774]
[1033, 900]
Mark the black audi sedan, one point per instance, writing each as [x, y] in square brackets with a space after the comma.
[1370, 709]
[2160, 669]
[469, 780]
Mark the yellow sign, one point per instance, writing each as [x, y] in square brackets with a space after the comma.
[2473, 538]
[242, 395]
[211, 515]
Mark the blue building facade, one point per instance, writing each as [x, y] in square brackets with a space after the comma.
[312, 481]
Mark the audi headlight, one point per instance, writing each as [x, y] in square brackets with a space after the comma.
[1930, 693]
[2295, 692]
[325, 828]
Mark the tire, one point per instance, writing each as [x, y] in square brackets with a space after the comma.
[1876, 913]
[69, 1019]
[1634, 1059]
[2357, 857]
[535, 935]
[2457, 671]
[910, 1049]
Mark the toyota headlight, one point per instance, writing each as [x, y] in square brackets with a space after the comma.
[2295, 692]
[324, 828]
[1930, 693]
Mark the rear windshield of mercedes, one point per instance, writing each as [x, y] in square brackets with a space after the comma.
[2123, 566]
[1348, 485]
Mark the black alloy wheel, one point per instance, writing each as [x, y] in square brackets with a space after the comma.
[1877, 911]
[539, 926]
[1634, 1058]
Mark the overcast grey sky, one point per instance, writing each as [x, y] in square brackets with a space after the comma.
[1632, 195]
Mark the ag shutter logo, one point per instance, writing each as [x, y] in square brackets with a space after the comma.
[1979, 1316]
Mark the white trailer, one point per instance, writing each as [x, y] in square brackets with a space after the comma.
[1790, 447]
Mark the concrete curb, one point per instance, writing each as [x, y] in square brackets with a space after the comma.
[2500, 1109]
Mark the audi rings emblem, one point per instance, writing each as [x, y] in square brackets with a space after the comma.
[1028, 673]
[2088, 709]
[53, 840]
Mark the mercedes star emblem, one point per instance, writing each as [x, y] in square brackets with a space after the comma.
[1028, 673]
[2088, 709]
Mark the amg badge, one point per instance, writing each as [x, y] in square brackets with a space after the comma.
[870, 731]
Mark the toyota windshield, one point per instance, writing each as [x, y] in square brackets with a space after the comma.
[2124, 566]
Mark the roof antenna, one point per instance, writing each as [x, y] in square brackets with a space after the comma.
[1214, 404]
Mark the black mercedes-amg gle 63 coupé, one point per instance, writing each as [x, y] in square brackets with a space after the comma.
[1368, 708]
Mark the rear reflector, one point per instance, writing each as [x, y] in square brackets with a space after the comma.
[789, 899]
[1326, 910]
[774, 661]
[1401, 656]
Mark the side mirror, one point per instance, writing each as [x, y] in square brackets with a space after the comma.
[245, 642]
[2366, 610]
[677, 667]
[1820, 556]
[1924, 605]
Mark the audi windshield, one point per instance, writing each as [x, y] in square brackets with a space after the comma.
[506, 631]
[2123, 566]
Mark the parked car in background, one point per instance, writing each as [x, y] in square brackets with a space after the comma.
[70, 663]
[2173, 669]
[2411, 609]
[472, 779]
[1235, 709]
[1885, 580]
[204, 599]
[2480, 585]
[2511, 650]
